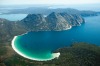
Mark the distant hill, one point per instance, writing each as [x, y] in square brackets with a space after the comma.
[46, 11]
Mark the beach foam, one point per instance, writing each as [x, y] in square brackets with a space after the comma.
[54, 55]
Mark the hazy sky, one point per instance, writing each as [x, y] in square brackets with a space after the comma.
[53, 2]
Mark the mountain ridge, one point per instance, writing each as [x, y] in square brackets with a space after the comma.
[37, 22]
[47, 11]
[54, 21]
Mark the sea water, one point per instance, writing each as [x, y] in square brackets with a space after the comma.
[13, 17]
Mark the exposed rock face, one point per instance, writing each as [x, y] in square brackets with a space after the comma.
[73, 19]
[57, 22]
[54, 21]
[34, 21]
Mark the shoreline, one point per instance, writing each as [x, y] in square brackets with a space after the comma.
[54, 55]
[44, 30]
[69, 28]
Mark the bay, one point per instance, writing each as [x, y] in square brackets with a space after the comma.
[41, 45]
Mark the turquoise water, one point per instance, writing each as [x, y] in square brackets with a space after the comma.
[42, 44]
[13, 17]
[27, 45]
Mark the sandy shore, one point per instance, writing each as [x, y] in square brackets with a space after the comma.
[54, 55]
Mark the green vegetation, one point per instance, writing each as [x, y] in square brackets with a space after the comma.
[78, 54]
[3, 50]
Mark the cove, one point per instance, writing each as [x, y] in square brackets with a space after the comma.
[41, 45]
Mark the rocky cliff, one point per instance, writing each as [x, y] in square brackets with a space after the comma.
[54, 21]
